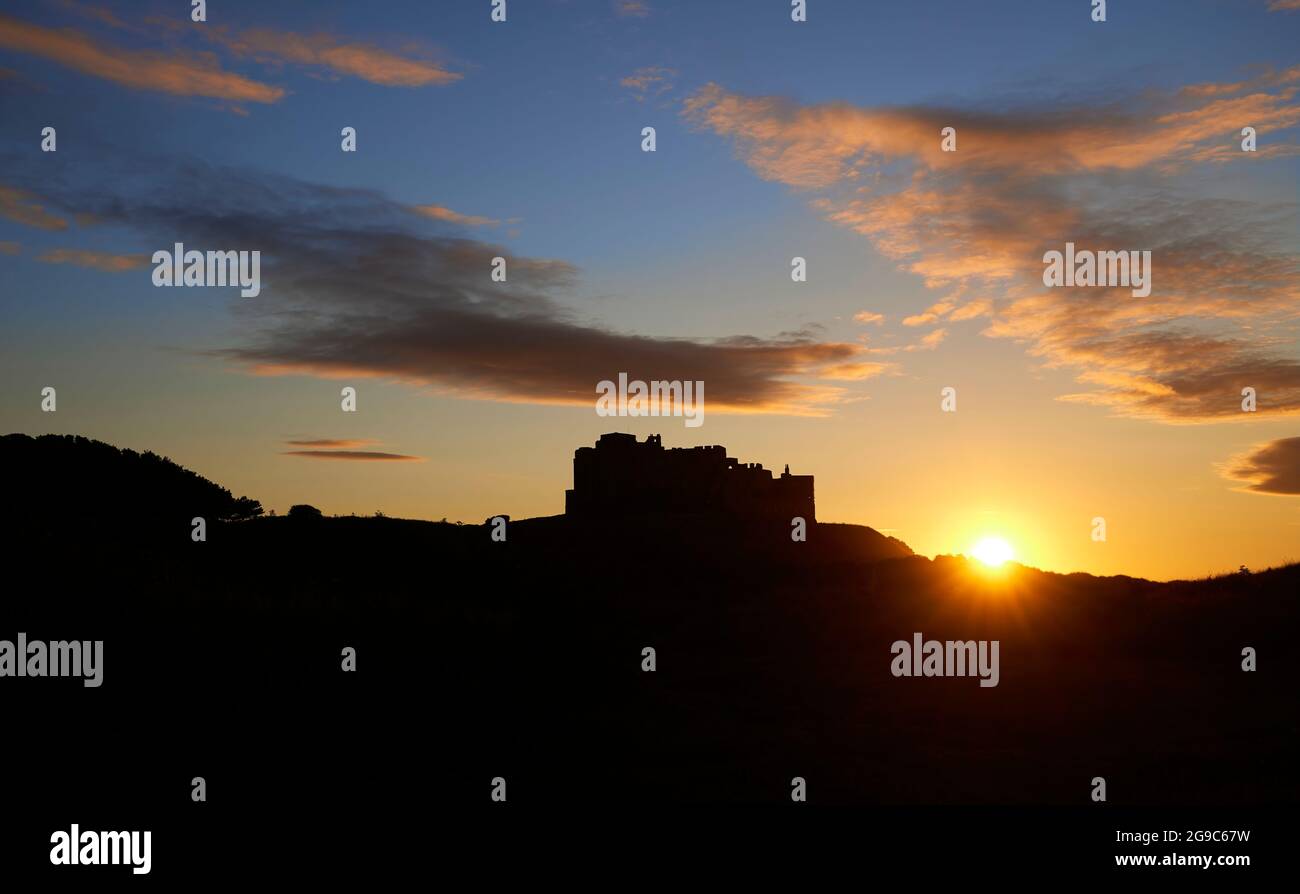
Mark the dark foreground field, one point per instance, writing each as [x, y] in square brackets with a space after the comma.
[522, 660]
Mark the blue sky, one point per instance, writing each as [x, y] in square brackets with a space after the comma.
[538, 133]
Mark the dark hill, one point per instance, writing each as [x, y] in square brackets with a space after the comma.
[523, 659]
[52, 482]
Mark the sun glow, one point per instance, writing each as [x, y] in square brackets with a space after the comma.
[992, 551]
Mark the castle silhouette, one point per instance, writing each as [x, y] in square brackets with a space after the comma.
[622, 476]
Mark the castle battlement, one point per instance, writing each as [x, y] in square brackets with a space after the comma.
[623, 476]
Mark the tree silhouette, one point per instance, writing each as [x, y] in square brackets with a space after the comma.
[57, 478]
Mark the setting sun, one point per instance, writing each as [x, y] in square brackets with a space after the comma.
[992, 551]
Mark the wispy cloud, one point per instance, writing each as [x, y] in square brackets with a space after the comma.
[830, 144]
[933, 313]
[637, 9]
[1269, 468]
[97, 260]
[438, 212]
[24, 208]
[649, 81]
[179, 73]
[932, 340]
[334, 54]
[1268, 78]
[975, 224]
[101, 14]
[344, 449]
[928, 342]
[183, 70]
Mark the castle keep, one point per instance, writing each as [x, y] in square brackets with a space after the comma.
[623, 476]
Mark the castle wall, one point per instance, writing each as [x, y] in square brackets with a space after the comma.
[621, 476]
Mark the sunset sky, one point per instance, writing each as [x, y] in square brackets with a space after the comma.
[775, 139]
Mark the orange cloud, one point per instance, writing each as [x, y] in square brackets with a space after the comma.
[934, 313]
[857, 371]
[651, 80]
[364, 61]
[10, 248]
[271, 47]
[976, 223]
[97, 260]
[818, 146]
[438, 212]
[637, 9]
[1269, 78]
[180, 74]
[19, 207]
[933, 339]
